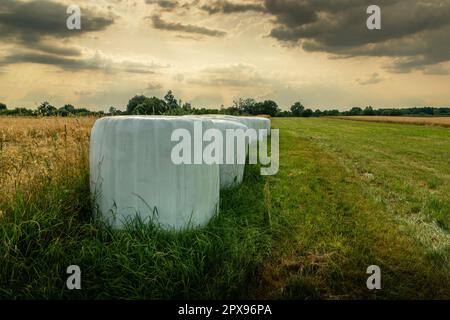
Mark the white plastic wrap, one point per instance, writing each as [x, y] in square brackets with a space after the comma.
[256, 123]
[265, 124]
[231, 174]
[132, 174]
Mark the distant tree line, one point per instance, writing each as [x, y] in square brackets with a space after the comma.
[45, 109]
[417, 111]
[170, 105]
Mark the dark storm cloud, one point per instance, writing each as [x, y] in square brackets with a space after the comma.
[226, 7]
[32, 21]
[161, 24]
[47, 59]
[343, 23]
[164, 4]
[38, 31]
[211, 7]
[53, 49]
[74, 64]
[413, 31]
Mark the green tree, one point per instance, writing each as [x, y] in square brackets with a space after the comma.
[368, 111]
[21, 112]
[112, 111]
[307, 113]
[246, 105]
[267, 107]
[68, 109]
[46, 109]
[297, 109]
[356, 111]
[187, 106]
[151, 106]
[170, 100]
[317, 113]
[134, 102]
[333, 112]
[3, 106]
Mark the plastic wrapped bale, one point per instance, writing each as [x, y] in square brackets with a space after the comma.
[256, 123]
[133, 175]
[231, 174]
[265, 124]
[251, 140]
[249, 122]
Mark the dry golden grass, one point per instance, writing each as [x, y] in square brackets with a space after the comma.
[429, 121]
[36, 148]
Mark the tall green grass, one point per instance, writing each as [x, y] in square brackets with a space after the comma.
[46, 230]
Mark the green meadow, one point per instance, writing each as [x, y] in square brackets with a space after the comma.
[348, 195]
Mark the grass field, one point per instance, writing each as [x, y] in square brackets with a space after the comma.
[349, 194]
[430, 121]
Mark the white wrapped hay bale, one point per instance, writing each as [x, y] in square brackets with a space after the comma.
[256, 123]
[265, 124]
[251, 139]
[132, 174]
[231, 172]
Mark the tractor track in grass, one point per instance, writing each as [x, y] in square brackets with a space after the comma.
[341, 228]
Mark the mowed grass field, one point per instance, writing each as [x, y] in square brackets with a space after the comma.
[429, 121]
[349, 194]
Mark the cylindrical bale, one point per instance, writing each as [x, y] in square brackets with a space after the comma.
[231, 174]
[265, 124]
[251, 140]
[133, 175]
[256, 123]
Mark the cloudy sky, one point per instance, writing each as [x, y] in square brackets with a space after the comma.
[319, 52]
